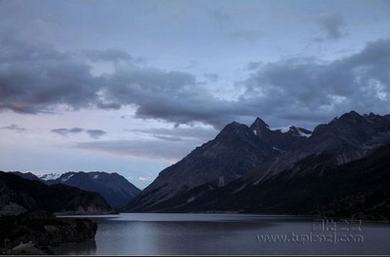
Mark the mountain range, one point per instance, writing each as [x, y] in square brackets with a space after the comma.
[258, 169]
[19, 195]
[114, 188]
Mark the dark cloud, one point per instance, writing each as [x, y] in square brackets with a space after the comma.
[333, 26]
[66, 131]
[14, 127]
[312, 90]
[37, 79]
[96, 133]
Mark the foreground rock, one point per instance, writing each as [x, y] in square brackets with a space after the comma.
[39, 231]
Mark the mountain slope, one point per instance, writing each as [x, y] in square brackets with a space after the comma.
[18, 195]
[359, 189]
[114, 188]
[347, 138]
[290, 156]
[236, 150]
[26, 175]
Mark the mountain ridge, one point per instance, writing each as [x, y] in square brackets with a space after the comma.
[19, 195]
[343, 140]
[113, 187]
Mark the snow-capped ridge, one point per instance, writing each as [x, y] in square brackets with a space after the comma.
[50, 176]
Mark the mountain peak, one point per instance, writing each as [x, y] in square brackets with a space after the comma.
[352, 115]
[259, 127]
[259, 123]
[233, 128]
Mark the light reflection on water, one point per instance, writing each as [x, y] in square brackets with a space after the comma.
[149, 233]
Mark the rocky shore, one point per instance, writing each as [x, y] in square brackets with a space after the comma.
[39, 232]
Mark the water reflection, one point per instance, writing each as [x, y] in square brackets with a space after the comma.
[219, 234]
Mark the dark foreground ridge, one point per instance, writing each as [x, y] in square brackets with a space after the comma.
[19, 195]
[27, 225]
[39, 232]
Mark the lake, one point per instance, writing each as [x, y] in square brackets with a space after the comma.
[155, 233]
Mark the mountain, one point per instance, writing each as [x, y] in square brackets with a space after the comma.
[19, 195]
[295, 176]
[50, 176]
[235, 151]
[359, 189]
[114, 188]
[348, 137]
[26, 175]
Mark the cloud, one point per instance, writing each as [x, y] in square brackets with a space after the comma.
[108, 55]
[14, 127]
[148, 149]
[247, 35]
[169, 144]
[220, 17]
[311, 90]
[65, 131]
[213, 77]
[253, 66]
[96, 133]
[332, 25]
[144, 178]
[93, 133]
[199, 134]
[35, 79]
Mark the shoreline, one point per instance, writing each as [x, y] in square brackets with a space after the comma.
[84, 215]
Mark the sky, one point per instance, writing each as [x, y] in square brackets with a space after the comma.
[133, 86]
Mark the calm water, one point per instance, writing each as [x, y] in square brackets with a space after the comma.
[140, 233]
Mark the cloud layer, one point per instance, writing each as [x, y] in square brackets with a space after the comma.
[36, 79]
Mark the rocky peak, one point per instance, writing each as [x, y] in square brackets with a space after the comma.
[259, 127]
[233, 128]
[351, 116]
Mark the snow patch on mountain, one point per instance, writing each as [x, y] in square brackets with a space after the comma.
[285, 129]
[50, 176]
[303, 133]
[66, 178]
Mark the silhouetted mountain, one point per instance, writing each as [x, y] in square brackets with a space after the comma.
[114, 188]
[236, 150]
[359, 189]
[19, 195]
[26, 175]
[289, 168]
